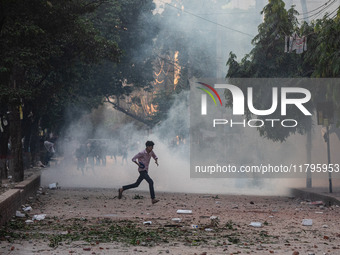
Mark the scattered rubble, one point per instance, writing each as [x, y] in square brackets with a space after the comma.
[255, 224]
[130, 226]
[20, 214]
[39, 217]
[176, 219]
[307, 222]
[184, 211]
[27, 209]
[53, 186]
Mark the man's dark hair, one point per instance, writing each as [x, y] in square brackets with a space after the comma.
[149, 143]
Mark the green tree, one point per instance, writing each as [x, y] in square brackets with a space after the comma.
[134, 30]
[45, 47]
[268, 60]
[179, 57]
[324, 55]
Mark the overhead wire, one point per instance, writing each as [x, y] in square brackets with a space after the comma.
[324, 7]
[336, 10]
[313, 16]
[216, 13]
[210, 21]
[335, 15]
[327, 16]
[319, 12]
[315, 9]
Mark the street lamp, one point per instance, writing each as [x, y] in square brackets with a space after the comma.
[325, 118]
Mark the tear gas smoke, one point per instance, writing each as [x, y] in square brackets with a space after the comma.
[212, 30]
[173, 174]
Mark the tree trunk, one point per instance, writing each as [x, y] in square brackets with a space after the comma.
[27, 134]
[4, 138]
[34, 142]
[16, 163]
[309, 158]
[14, 106]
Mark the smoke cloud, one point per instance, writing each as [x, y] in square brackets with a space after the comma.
[212, 30]
[173, 174]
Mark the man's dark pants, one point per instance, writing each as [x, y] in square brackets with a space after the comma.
[143, 175]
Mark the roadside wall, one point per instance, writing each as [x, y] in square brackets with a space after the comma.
[311, 195]
[11, 200]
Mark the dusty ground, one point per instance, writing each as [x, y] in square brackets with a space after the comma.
[94, 221]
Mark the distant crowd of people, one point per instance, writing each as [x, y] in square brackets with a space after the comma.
[94, 152]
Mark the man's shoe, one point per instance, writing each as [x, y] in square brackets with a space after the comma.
[120, 193]
[154, 201]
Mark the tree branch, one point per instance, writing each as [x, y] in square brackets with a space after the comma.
[121, 109]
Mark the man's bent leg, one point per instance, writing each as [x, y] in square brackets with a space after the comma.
[150, 181]
[130, 186]
[134, 185]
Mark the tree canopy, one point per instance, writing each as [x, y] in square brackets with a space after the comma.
[61, 58]
[268, 60]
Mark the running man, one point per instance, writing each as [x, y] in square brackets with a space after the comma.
[143, 167]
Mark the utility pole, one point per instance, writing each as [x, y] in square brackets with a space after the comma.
[304, 10]
[309, 134]
[309, 157]
[329, 160]
[325, 118]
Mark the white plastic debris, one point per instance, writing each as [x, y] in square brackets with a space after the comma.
[255, 224]
[29, 221]
[325, 226]
[53, 185]
[307, 222]
[19, 214]
[208, 229]
[39, 217]
[213, 217]
[184, 211]
[9, 177]
[26, 209]
[176, 219]
[147, 222]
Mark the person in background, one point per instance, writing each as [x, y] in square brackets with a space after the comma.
[143, 162]
[49, 146]
[81, 154]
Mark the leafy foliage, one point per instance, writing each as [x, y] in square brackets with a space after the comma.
[59, 59]
[268, 60]
[324, 55]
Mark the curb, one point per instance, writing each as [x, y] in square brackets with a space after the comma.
[11, 200]
[313, 195]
